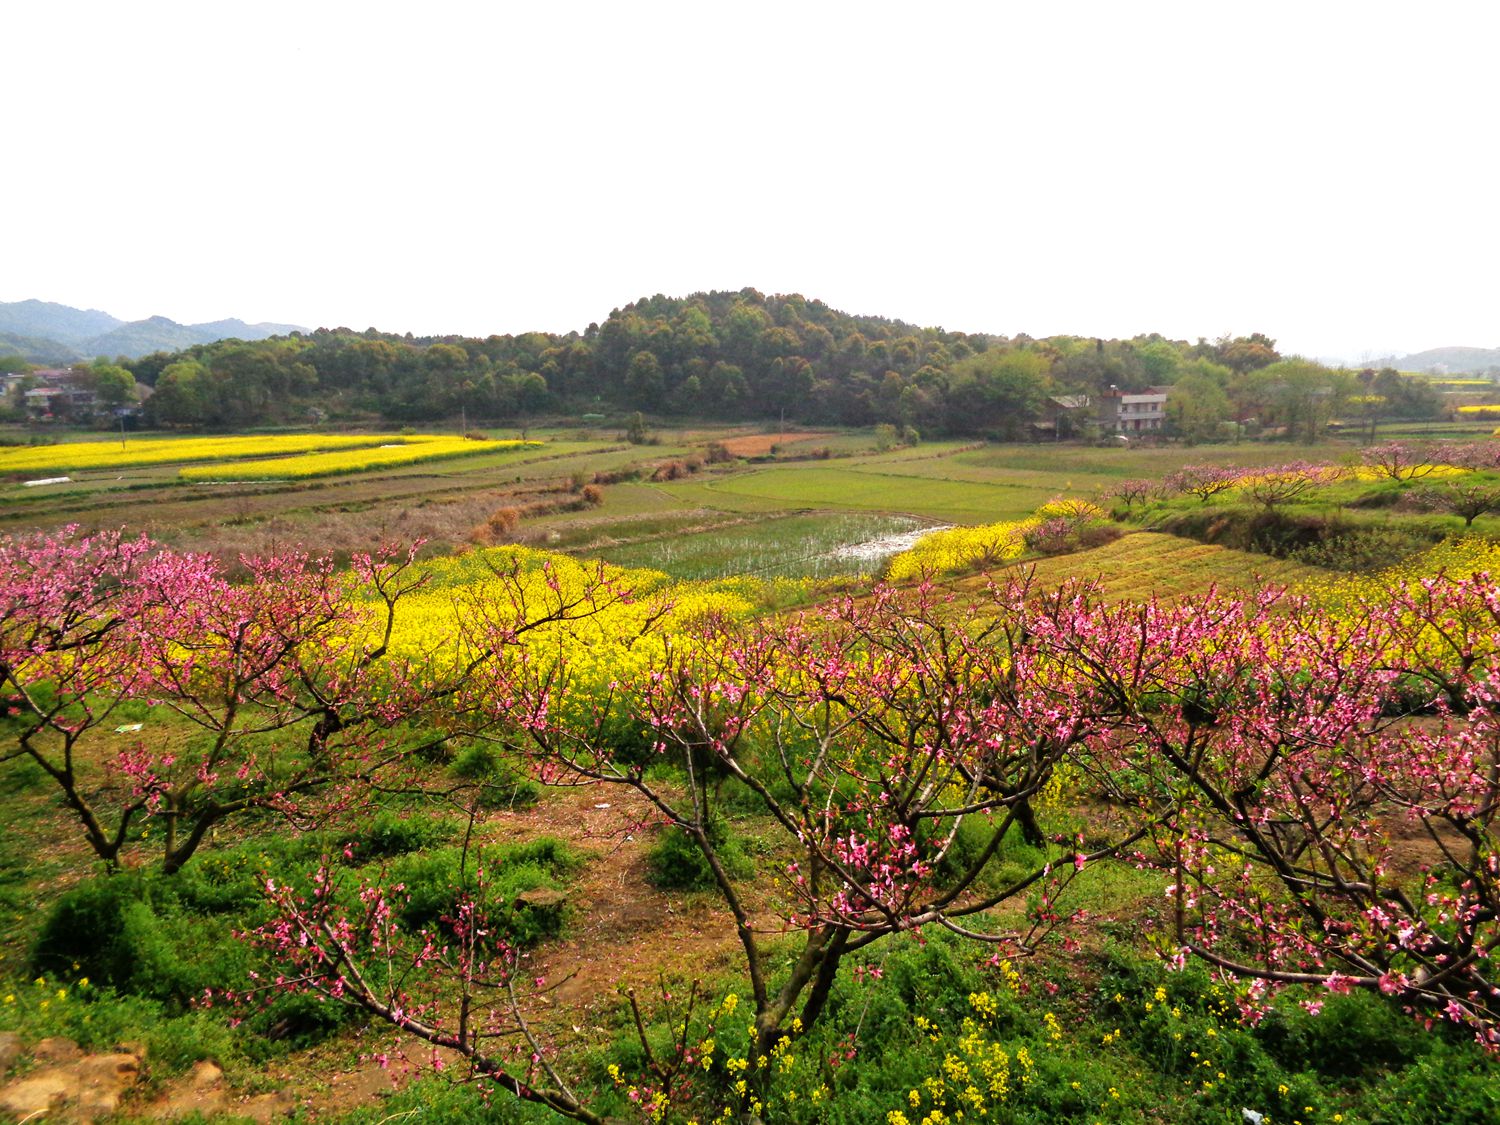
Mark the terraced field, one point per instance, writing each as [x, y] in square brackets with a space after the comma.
[1144, 564]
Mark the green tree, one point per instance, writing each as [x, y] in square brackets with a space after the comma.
[1198, 408]
[179, 397]
[997, 392]
[644, 382]
[113, 386]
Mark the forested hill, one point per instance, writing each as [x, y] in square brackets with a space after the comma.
[727, 355]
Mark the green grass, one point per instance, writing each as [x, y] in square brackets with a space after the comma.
[864, 489]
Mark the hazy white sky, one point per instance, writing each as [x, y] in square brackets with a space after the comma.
[1323, 172]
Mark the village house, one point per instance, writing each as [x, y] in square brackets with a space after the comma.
[1119, 412]
[1063, 416]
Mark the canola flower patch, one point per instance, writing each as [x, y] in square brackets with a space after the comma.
[639, 612]
[958, 548]
[1457, 557]
[410, 452]
[91, 456]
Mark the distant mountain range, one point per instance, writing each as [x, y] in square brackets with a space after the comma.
[53, 334]
[1456, 360]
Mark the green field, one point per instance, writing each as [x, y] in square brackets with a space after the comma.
[878, 488]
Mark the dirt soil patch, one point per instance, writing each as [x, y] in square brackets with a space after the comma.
[758, 445]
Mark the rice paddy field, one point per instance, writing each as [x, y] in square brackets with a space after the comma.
[800, 504]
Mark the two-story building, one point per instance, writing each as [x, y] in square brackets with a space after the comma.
[1120, 412]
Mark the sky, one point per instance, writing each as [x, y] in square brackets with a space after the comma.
[1320, 171]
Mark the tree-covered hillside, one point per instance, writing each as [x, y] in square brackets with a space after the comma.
[729, 355]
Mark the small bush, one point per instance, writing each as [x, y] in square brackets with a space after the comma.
[670, 470]
[1362, 550]
[592, 495]
[106, 930]
[393, 834]
[498, 782]
[126, 932]
[436, 880]
[618, 476]
[503, 521]
[676, 862]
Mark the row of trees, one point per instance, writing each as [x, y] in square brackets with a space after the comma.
[1261, 753]
[730, 355]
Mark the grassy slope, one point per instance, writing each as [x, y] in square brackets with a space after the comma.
[1148, 564]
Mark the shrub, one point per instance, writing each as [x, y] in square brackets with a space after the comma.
[498, 783]
[1361, 550]
[393, 834]
[675, 862]
[106, 930]
[436, 880]
[592, 495]
[127, 933]
[671, 470]
[503, 521]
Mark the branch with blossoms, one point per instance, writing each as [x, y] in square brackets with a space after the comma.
[454, 988]
[463, 990]
[1272, 737]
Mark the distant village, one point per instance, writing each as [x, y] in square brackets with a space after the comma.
[69, 395]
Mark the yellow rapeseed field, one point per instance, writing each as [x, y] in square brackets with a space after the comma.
[410, 451]
[97, 456]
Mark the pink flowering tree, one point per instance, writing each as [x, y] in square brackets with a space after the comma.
[1285, 483]
[287, 675]
[1400, 461]
[1314, 830]
[898, 750]
[1202, 481]
[1136, 490]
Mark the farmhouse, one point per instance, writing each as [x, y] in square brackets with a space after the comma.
[1122, 413]
[1063, 416]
